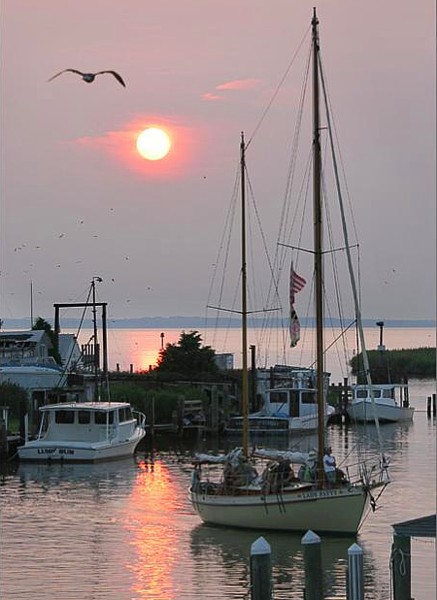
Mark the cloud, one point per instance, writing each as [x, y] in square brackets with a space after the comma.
[234, 85]
[239, 84]
[212, 97]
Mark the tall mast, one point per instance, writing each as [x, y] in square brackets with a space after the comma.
[318, 245]
[244, 382]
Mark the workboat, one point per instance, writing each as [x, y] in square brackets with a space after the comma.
[389, 401]
[284, 490]
[85, 432]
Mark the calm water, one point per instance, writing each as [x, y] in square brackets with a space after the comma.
[140, 347]
[125, 530]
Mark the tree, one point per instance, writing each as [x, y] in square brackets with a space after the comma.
[188, 358]
[39, 324]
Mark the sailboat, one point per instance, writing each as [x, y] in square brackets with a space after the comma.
[292, 493]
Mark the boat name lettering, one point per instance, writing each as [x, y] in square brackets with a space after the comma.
[319, 494]
[63, 451]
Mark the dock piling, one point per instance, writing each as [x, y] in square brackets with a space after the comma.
[400, 562]
[260, 570]
[355, 573]
[312, 554]
[431, 406]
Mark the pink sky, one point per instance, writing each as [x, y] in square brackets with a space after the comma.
[77, 200]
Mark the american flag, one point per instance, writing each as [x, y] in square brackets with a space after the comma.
[297, 283]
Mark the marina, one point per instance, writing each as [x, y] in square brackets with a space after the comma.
[284, 450]
[131, 524]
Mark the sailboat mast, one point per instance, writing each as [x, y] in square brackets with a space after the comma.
[318, 248]
[244, 381]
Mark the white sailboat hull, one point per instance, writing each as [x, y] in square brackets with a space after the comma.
[46, 451]
[364, 412]
[325, 511]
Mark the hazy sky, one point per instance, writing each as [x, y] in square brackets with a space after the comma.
[78, 201]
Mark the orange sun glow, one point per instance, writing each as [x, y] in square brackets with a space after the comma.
[153, 143]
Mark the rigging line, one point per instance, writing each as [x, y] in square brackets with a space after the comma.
[263, 238]
[334, 267]
[285, 212]
[279, 256]
[263, 333]
[351, 272]
[329, 110]
[280, 253]
[64, 370]
[276, 92]
[286, 206]
[224, 242]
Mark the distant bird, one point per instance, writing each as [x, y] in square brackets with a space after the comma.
[89, 77]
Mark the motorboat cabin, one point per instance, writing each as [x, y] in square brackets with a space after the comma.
[85, 431]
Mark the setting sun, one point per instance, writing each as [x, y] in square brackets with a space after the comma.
[153, 143]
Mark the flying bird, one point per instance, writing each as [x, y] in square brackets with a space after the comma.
[89, 77]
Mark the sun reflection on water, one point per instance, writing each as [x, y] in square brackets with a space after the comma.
[150, 521]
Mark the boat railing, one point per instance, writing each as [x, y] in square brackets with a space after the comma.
[140, 418]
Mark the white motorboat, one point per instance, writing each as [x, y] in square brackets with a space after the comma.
[389, 402]
[85, 432]
[230, 490]
[285, 410]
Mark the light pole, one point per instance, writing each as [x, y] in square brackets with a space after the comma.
[381, 346]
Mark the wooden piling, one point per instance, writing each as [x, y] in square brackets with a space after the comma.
[214, 410]
[4, 446]
[428, 406]
[312, 554]
[260, 570]
[400, 561]
[433, 405]
[355, 573]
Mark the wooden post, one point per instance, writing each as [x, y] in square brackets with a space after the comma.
[355, 573]
[260, 570]
[428, 406]
[401, 567]
[433, 405]
[152, 424]
[312, 554]
[214, 410]
[3, 438]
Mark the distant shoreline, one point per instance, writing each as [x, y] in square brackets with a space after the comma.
[179, 322]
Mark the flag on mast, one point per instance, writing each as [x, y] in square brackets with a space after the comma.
[297, 283]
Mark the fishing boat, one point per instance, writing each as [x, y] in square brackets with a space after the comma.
[87, 431]
[389, 401]
[292, 491]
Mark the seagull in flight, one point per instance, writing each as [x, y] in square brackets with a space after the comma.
[89, 77]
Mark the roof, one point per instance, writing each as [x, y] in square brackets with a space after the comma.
[421, 527]
[106, 406]
[32, 335]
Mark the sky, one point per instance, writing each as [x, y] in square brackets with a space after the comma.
[78, 201]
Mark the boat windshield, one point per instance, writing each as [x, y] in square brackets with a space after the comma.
[125, 414]
[101, 417]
